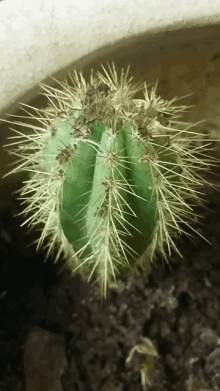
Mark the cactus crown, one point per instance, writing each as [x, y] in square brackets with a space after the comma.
[110, 175]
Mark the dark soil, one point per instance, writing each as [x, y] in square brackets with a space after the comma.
[178, 310]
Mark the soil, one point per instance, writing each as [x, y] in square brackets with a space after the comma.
[177, 310]
[55, 332]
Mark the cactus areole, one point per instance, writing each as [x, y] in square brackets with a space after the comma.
[110, 176]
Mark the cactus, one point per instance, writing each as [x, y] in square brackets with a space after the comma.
[110, 176]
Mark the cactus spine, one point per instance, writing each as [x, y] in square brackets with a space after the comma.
[110, 175]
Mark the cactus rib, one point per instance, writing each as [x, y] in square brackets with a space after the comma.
[109, 175]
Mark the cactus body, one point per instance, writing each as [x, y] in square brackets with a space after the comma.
[111, 175]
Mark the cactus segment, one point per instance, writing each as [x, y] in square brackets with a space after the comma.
[110, 176]
[77, 187]
[143, 201]
[99, 218]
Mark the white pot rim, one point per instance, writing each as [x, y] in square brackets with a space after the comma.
[40, 38]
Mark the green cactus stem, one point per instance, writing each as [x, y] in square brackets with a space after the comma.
[110, 175]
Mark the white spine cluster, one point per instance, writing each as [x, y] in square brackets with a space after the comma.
[109, 99]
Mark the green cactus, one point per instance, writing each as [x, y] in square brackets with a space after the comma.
[110, 175]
